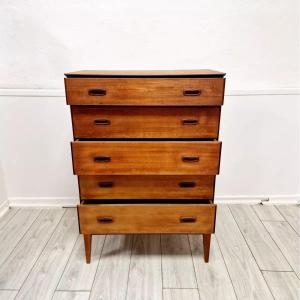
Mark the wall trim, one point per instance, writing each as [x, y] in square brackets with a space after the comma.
[61, 92]
[73, 201]
[4, 207]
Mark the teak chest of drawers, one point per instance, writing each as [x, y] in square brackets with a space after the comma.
[146, 151]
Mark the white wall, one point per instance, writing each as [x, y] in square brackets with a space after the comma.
[255, 42]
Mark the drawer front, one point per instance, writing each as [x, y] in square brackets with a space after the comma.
[145, 122]
[146, 187]
[146, 158]
[147, 218]
[147, 91]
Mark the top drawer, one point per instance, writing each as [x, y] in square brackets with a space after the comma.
[144, 91]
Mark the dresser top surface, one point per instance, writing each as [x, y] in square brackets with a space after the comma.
[202, 73]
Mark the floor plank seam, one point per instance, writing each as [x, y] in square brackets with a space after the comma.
[250, 248]
[132, 244]
[286, 219]
[98, 265]
[41, 252]
[13, 215]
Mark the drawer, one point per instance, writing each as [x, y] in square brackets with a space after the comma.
[146, 187]
[145, 122]
[144, 91]
[147, 218]
[145, 158]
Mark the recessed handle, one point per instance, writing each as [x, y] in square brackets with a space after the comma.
[97, 92]
[190, 122]
[190, 159]
[101, 159]
[102, 122]
[188, 219]
[191, 92]
[187, 184]
[105, 220]
[106, 184]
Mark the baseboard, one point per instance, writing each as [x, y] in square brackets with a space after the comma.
[73, 201]
[4, 207]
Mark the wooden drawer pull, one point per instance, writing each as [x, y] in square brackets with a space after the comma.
[188, 219]
[106, 184]
[190, 159]
[187, 184]
[102, 122]
[97, 92]
[105, 220]
[101, 159]
[190, 122]
[191, 92]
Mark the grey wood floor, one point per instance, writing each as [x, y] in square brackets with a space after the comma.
[254, 255]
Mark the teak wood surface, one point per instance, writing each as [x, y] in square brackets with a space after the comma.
[145, 122]
[146, 91]
[146, 158]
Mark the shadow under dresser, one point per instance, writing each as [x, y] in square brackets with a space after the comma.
[146, 151]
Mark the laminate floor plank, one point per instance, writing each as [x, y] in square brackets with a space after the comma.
[8, 295]
[45, 275]
[66, 295]
[78, 275]
[265, 251]
[7, 216]
[292, 214]
[112, 274]
[267, 212]
[13, 232]
[17, 266]
[181, 294]
[213, 279]
[145, 277]
[246, 277]
[288, 241]
[284, 285]
[177, 263]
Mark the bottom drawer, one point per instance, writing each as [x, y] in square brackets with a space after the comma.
[147, 218]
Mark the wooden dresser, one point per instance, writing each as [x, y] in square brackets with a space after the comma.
[146, 151]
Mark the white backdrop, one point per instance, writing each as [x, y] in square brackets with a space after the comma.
[255, 42]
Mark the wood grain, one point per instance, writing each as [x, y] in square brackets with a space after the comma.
[60, 295]
[4, 219]
[267, 254]
[146, 187]
[145, 122]
[246, 277]
[212, 278]
[267, 213]
[288, 242]
[181, 294]
[149, 91]
[112, 274]
[17, 266]
[44, 277]
[146, 158]
[284, 285]
[292, 214]
[8, 295]
[79, 276]
[147, 218]
[145, 277]
[177, 264]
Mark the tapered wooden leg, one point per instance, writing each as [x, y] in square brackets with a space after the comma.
[206, 246]
[88, 247]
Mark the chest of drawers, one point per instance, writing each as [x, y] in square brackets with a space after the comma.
[146, 151]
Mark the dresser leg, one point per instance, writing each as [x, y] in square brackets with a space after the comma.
[88, 247]
[206, 246]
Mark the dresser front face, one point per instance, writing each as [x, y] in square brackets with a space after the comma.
[146, 149]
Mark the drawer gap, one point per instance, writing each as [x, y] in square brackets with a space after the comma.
[145, 139]
[146, 201]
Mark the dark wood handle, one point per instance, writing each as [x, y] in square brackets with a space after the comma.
[190, 159]
[105, 220]
[190, 122]
[101, 159]
[106, 184]
[97, 92]
[191, 92]
[187, 184]
[188, 219]
[102, 122]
